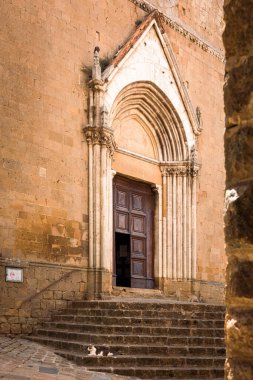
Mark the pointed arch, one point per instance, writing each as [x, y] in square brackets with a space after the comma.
[144, 100]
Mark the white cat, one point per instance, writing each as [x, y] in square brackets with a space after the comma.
[92, 351]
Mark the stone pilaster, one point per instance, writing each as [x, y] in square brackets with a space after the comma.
[101, 146]
[179, 220]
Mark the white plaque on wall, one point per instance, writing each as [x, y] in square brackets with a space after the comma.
[14, 274]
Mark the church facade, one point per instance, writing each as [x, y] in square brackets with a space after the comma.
[112, 153]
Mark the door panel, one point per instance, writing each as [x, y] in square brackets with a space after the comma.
[134, 215]
[138, 247]
[122, 221]
[137, 202]
[138, 225]
[138, 268]
[122, 199]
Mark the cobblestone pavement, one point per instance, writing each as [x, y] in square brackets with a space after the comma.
[21, 359]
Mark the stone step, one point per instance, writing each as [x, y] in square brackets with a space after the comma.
[142, 360]
[148, 305]
[157, 373]
[119, 291]
[151, 349]
[131, 339]
[132, 321]
[136, 330]
[144, 313]
[149, 339]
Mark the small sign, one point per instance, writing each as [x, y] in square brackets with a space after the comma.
[14, 274]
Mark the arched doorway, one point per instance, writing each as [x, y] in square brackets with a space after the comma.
[142, 126]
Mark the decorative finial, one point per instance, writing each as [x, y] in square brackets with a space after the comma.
[96, 68]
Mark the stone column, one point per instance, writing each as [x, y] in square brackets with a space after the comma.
[169, 228]
[174, 225]
[180, 225]
[194, 225]
[184, 227]
[238, 95]
[164, 219]
[189, 227]
[158, 246]
[90, 174]
[179, 220]
[101, 146]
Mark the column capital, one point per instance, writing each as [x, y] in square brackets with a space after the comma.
[179, 169]
[174, 169]
[100, 136]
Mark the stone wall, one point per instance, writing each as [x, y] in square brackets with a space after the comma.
[204, 17]
[45, 61]
[46, 288]
[238, 92]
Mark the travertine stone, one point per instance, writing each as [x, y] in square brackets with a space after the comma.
[46, 225]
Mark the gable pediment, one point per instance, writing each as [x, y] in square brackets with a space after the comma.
[148, 56]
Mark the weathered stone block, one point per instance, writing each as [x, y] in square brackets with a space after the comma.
[68, 295]
[60, 304]
[26, 329]
[12, 312]
[237, 370]
[239, 333]
[5, 328]
[48, 294]
[240, 278]
[239, 218]
[15, 328]
[57, 295]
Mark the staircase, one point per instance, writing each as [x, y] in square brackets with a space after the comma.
[149, 339]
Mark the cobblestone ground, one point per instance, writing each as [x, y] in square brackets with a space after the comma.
[21, 359]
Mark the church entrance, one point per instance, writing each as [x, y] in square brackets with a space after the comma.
[133, 234]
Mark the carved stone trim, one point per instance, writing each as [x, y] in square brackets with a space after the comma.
[194, 170]
[155, 188]
[96, 85]
[100, 136]
[179, 170]
[96, 68]
[181, 29]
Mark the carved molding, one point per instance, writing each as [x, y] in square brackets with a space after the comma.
[96, 85]
[181, 29]
[100, 136]
[187, 169]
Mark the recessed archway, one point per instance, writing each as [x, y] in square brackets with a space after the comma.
[151, 96]
[145, 102]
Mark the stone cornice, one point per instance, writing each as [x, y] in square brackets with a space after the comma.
[182, 29]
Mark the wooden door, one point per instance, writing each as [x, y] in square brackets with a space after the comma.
[133, 234]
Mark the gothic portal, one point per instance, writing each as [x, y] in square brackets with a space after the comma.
[142, 131]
